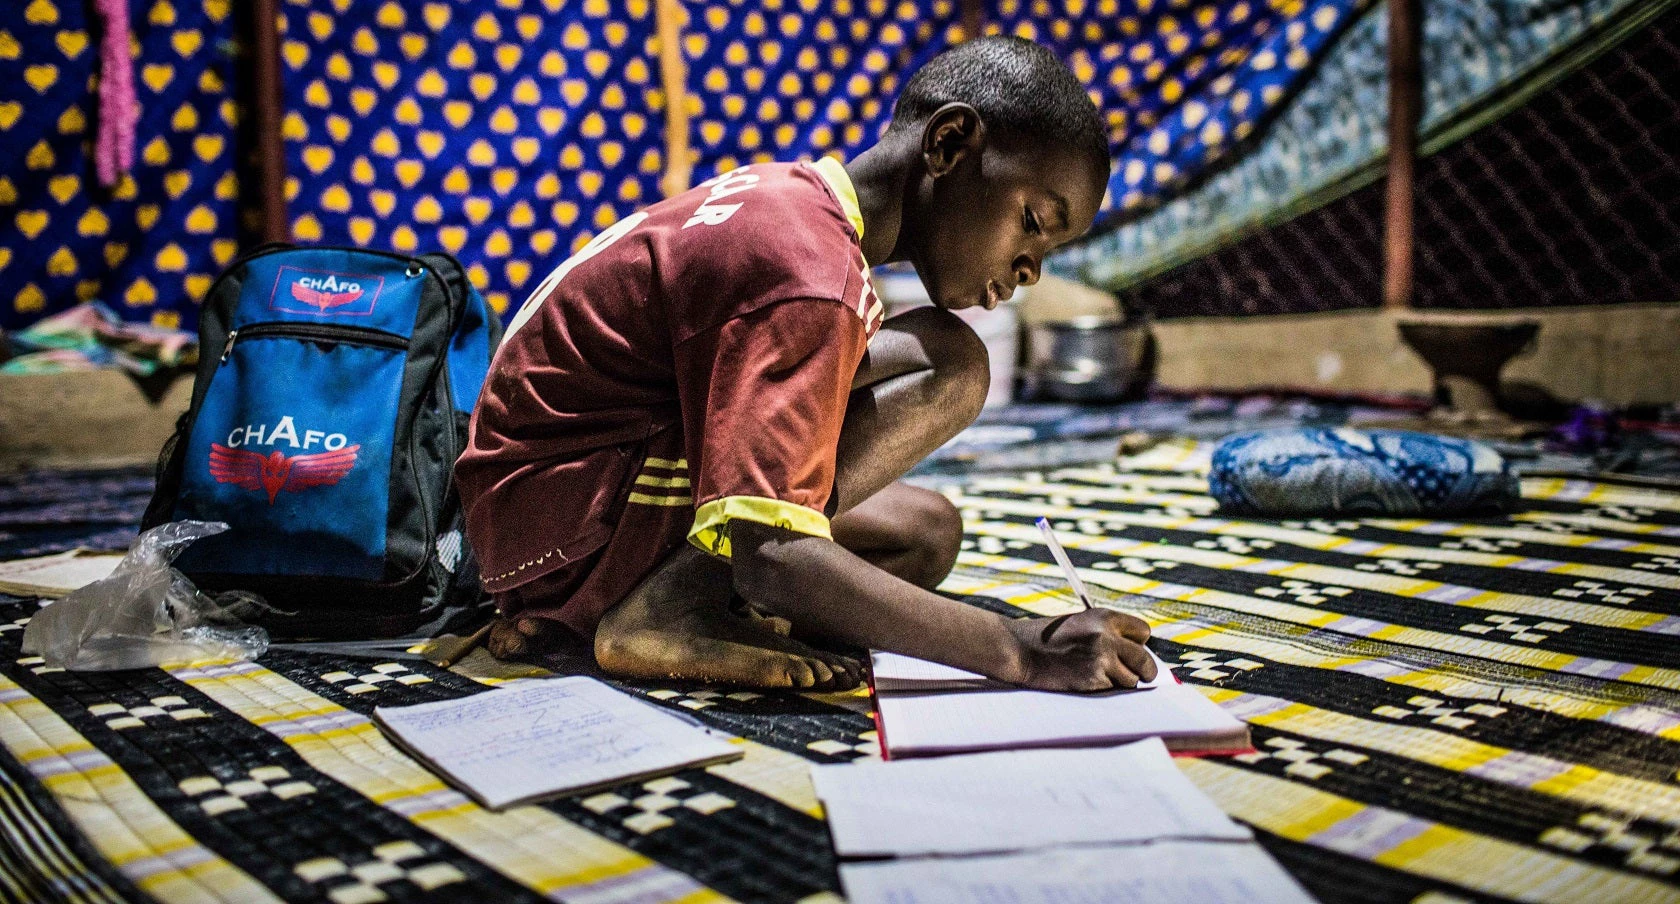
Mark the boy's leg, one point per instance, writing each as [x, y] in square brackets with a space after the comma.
[906, 531]
[923, 380]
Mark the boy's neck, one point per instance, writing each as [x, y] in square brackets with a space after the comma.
[882, 175]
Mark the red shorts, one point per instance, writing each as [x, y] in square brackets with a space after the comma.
[653, 517]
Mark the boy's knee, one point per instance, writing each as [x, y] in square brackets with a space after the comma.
[961, 365]
[937, 529]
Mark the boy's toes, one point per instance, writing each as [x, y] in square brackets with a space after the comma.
[845, 673]
[800, 675]
[822, 675]
[505, 640]
[851, 672]
[511, 638]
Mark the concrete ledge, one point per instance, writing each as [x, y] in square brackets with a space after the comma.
[1621, 354]
[88, 419]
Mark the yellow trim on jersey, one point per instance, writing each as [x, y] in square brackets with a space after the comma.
[649, 480]
[672, 501]
[841, 184]
[710, 521]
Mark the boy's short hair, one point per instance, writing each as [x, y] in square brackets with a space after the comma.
[1014, 84]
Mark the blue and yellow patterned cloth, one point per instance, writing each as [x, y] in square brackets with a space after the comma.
[509, 133]
[150, 245]
[1313, 471]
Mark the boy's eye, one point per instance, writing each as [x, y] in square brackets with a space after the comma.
[1030, 222]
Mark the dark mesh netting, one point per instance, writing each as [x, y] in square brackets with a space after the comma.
[1571, 199]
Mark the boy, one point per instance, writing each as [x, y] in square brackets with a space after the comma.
[705, 403]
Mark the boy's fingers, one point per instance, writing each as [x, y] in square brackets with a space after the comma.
[1137, 658]
[1120, 676]
[1131, 627]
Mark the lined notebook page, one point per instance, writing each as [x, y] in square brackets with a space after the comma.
[896, 672]
[1011, 800]
[549, 736]
[925, 709]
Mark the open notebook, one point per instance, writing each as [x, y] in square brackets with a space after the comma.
[549, 736]
[927, 709]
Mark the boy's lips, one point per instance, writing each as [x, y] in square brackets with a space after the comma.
[994, 295]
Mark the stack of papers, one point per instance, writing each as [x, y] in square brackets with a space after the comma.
[1167, 872]
[1013, 800]
[927, 709]
[540, 738]
[1027, 826]
[57, 575]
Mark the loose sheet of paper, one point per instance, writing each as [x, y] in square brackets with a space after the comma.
[1167, 872]
[537, 738]
[56, 575]
[927, 708]
[1014, 800]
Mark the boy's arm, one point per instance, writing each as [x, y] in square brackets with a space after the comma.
[819, 585]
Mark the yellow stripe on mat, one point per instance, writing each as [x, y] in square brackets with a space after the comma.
[1416, 586]
[1588, 492]
[1352, 626]
[1582, 785]
[529, 845]
[1329, 542]
[122, 824]
[1627, 707]
[1482, 864]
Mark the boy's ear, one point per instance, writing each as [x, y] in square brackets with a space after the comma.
[952, 133]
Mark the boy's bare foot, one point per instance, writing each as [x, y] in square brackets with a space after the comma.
[677, 624]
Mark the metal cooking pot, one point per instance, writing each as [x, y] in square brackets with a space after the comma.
[1089, 359]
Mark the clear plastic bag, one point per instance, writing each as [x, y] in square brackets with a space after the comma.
[147, 613]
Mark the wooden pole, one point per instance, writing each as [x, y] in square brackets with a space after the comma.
[673, 78]
[267, 112]
[973, 19]
[1405, 101]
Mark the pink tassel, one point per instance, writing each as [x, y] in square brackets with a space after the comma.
[119, 109]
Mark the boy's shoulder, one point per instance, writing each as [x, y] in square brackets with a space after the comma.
[759, 234]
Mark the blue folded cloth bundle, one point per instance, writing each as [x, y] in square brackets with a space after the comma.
[1310, 470]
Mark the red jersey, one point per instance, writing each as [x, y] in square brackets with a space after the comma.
[687, 367]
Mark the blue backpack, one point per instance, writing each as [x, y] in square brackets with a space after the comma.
[332, 397]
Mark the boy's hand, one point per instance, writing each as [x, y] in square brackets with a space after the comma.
[1093, 650]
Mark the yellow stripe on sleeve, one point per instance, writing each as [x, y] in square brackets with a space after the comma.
[710, 531]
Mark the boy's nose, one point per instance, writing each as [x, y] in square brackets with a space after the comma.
[1026, 271]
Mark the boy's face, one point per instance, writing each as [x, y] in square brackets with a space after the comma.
[986, 226]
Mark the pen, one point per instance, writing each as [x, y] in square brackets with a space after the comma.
[1062, 560]
[467, 646]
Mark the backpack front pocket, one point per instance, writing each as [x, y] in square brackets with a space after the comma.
[293, 448]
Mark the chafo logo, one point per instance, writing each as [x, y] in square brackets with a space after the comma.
[323, 293]
[284, 431]
[277, 472]
[326, 292]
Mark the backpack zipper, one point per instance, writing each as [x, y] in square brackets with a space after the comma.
[353, 335]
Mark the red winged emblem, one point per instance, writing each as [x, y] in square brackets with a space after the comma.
[324, 300]
[275, 472]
